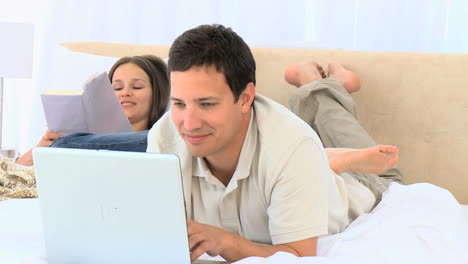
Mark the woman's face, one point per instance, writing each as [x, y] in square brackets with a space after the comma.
[132, 87]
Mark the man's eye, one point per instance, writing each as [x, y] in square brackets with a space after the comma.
[208, 104]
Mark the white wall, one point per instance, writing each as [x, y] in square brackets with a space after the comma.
[399, 25]
[19, 93]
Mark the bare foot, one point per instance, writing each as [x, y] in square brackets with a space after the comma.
[347, 78]
[302, 73]
[370, 160]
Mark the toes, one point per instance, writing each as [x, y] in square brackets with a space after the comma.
[331, 68]
[388, 149]
[382, 148]
[393, 161]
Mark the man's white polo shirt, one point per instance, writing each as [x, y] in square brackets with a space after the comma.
[282, 190]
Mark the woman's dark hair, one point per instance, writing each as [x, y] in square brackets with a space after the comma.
[156, 70]
[218, 46]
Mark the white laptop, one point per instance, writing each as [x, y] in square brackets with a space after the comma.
[101, 206]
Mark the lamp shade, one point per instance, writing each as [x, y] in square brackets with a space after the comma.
[16, 50]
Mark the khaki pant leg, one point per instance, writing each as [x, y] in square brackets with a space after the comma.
[328, 108]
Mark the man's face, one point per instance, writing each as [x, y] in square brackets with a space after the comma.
[205, 114]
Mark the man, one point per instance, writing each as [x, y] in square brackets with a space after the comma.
[256, 177]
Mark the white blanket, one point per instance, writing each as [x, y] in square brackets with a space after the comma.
[418, 223]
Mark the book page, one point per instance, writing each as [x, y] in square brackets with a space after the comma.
[95, 109]
[104, 113]
[64, 113]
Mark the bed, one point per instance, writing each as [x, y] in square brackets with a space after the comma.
[416, 101]
[417, 223]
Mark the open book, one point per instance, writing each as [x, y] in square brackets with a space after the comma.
[95, 109]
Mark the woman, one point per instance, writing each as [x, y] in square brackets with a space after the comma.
[141, 85]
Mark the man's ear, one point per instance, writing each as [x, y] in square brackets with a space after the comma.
[247, 97]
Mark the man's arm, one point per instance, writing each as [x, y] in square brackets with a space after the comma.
[232, 247]
[297, 210]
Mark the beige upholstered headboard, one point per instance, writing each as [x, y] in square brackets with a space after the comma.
[416, 101]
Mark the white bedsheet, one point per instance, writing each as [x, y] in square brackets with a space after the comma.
[418, 223]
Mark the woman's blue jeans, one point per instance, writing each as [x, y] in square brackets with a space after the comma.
[131, 141]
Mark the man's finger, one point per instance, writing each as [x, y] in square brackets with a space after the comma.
[193, 227]
[195, 239]
[197, 252]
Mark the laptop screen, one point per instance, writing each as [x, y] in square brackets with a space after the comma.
[111, 206]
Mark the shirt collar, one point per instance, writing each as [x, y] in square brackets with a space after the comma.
[248, 150]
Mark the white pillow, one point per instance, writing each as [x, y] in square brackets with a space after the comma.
[72, 69]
